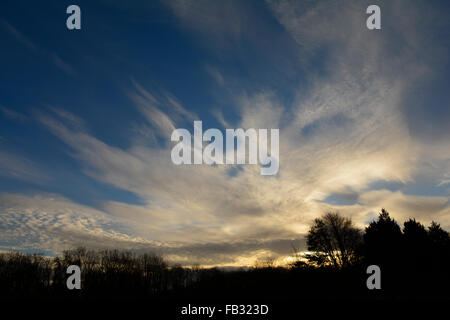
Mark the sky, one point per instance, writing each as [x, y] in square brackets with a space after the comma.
[86, 118]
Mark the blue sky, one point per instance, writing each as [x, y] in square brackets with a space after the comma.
[86, 117]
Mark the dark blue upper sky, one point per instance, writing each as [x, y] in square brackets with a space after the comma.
[88, 72]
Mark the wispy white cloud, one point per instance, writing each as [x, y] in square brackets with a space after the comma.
[11, 114]
[161, 113]
[20, 37]
[21, 168]
[215, 74]
[73, 121]
[53, 223]
[63, 66]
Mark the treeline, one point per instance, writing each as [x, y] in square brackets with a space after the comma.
[103, 273]
[414, 249]
[414, 262]
[334, 240]
[414, 259]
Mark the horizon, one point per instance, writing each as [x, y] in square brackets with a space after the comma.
[264, 261]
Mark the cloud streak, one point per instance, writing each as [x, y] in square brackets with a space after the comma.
[20, 37]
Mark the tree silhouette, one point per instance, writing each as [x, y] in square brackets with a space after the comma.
[383, 241]
[415, 232]
[416, 246]
[439, 241]
[334, 240]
